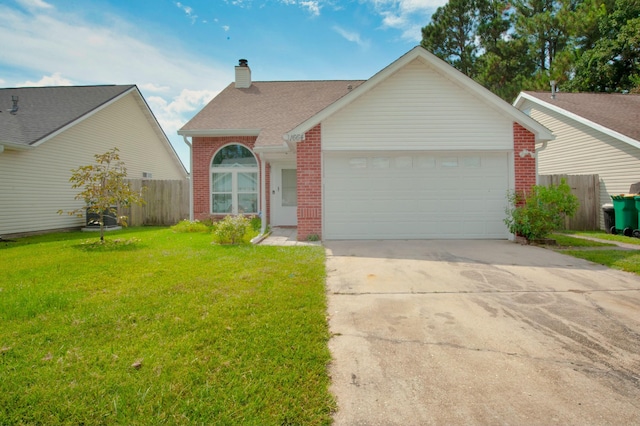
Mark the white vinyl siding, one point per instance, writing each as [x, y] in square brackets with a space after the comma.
[580, 150]
[400, 195]
[417, 109]
[34, 183]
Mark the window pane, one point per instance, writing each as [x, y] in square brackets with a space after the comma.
[247, 182]
[222, 182]
[247, 203]
[234, 156]
[289, 190]
[221, 203]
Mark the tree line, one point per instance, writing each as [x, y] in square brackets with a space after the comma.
[513, 45]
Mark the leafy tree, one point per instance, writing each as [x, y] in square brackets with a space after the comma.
[612, 63]
[451, 35]
[103, 187]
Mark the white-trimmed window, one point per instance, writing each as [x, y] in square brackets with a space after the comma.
[234, 181]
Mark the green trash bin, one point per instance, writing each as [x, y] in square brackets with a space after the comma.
[626, 214]
[636, 233]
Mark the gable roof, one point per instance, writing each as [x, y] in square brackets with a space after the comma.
[45, 111]
[615, 114]
[282, 111]
[267, 109]
[493, 101]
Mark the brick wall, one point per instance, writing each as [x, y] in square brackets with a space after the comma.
[525, 172]
[204, 148]
[309, 174]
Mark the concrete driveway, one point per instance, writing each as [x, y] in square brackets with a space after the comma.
[480, 332]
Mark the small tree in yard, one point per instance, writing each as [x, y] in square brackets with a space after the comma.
[542, 211]
[103, 187]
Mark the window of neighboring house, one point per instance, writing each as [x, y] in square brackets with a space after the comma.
[234, 181]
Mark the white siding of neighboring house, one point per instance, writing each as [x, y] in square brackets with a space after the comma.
[582, 150]
[417, 109]
[34, 184]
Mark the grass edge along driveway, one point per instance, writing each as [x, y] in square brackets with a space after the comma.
[164, 328]
[601, 252]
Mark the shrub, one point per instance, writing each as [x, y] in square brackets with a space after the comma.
[186, 225]
[542, 212]
[232, 230]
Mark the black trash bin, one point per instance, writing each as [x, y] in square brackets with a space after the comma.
[93, 219]
[609, 215]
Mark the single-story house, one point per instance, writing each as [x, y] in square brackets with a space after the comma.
[47, 131]
[596, 133]
[419, 150]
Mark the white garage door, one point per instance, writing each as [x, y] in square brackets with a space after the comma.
[412, 196]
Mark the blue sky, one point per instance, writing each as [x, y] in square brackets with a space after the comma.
[182, 53]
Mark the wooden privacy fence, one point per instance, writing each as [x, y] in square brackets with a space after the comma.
[166, 202]
[587, 189]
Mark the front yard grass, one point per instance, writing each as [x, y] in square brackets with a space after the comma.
[168, 329]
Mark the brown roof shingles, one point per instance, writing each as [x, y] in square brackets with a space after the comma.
[273, 107]
[615, 111]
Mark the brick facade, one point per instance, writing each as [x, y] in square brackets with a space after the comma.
[204, 148]
[309, 174]
[525, 167]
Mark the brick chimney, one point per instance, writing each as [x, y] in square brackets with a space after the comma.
[243, 75]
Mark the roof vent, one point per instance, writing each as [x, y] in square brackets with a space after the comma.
[14, 108]
[243, 74]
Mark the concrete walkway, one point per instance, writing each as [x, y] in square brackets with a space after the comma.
[286, 236]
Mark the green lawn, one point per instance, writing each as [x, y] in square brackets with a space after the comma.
[168, 329]
[625, 260]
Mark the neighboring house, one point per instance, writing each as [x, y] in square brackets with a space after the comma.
[596, 133]
[417, 151]
[47, 131]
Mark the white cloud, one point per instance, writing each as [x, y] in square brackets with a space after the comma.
[351, 36]
[150, 87]
[51, 48]
[54, 79]
[188, 10]
[171, 113]
[408, 16]
[35, 4]
[226, 28]
[312, 6]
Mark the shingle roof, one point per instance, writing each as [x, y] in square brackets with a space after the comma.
[272, 107]
[44, 110]
[617, 112]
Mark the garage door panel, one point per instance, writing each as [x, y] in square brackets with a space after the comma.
[431, 196]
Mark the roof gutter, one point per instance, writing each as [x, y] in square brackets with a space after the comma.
[190, 177]
[219, 132]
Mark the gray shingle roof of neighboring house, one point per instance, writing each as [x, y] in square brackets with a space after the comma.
[617, 112]
[268, 108]
[45, 110]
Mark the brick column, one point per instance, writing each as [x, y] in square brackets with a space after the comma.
[309, 174]
[525, 167]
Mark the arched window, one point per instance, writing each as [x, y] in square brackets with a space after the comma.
[234, 181]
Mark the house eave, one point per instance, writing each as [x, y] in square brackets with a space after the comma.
[219, 132]
[13, 146]
[522, 97]
[541, 133]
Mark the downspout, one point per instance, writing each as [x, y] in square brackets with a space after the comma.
[263, 201]
[542, 148]
[263, 194]
[190, 177]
